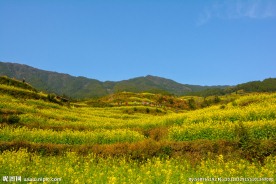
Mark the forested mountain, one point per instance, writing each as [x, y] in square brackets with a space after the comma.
[267, 85]
[82, 87]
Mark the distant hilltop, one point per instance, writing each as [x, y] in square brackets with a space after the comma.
[82, 87]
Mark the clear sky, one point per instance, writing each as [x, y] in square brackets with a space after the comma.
[205, 42]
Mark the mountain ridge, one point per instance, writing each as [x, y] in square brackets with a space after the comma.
[83, 87]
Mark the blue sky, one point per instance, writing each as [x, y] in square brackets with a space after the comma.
[203, 42]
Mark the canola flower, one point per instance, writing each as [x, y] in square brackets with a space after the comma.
[68, 136]
[227, 130]
[257, 113]
[72, 168]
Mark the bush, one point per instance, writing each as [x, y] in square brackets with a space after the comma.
[51, 97]
[192, 104]
[13, 119]
[242, 135]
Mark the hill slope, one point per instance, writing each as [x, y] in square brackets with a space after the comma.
[267, 85]
[54, 82]
[81, 87]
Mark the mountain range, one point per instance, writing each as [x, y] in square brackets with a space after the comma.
[82, 87]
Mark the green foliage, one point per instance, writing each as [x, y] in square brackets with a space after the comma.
[143, 110]
[242, 135]
[209, 92]
[9, 118]
[250, 142]
[267, 85]
[81, 87]
[13, 119]
[192, 104]
[53, 98]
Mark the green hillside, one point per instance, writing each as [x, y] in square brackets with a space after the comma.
[53, 82]
[13, 82]
[81, 87]
[23, 90]
[267, 85]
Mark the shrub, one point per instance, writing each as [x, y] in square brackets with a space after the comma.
[51, 97]
[192, 104]
[242, 135]
[13, 119]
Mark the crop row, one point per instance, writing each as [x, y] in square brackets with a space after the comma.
[254, 112]
[8, 133]
[225, 130]
[247, 108]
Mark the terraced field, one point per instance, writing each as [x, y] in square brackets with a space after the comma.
[73, 143]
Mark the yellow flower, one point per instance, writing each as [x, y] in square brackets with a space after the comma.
[220, 158]
[112, 179]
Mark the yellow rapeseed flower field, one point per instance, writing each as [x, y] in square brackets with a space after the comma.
[71, 144]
